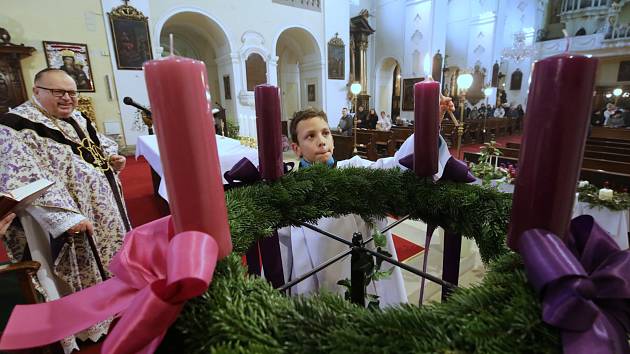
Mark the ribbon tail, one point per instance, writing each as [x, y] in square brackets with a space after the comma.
[143, 325]
[41, 324]
[601, 338]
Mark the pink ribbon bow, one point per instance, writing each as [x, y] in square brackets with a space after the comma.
[156, 272]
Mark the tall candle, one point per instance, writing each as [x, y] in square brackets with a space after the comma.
[556, 124]
[178, 92]
[426, 110]
[269, 131]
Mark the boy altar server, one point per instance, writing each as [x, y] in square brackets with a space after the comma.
[304, 249]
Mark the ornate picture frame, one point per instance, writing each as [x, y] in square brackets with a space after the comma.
[74, 59]
[336, 59]
[624, 71]
[310, 90]
[407, 99]
[227, 87]
[516, 79]
[130, 34]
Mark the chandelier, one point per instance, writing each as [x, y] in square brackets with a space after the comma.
[519, 50]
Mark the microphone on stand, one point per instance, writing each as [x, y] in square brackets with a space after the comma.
[130, 102]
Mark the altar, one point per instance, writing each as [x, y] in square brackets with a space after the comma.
[230, 152]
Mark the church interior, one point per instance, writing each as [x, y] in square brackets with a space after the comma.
[463, 137]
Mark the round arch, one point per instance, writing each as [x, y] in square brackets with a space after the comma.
[299, 69]
[199, 35]
[387, 86]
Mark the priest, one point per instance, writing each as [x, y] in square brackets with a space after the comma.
[75, 228]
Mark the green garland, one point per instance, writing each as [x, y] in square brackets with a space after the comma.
[590, 194]
[241, 314]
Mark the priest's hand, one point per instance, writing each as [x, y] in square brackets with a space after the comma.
[446, 105]
[5, 222]
[117, 162]
[83, 226]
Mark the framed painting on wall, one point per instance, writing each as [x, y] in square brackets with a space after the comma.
[130, 34]
[336, 58]
[407, 104]
[74, 59]
[310, 89]
[227, 87]
[624, 71]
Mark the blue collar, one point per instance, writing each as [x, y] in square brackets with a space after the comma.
[329, 163]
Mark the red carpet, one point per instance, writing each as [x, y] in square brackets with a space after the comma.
[405, 249]
[142, 205]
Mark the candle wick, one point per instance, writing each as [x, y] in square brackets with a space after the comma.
[566, 36]
[170, 40]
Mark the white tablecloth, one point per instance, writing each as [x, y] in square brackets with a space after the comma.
[614, 222]
[230, 152]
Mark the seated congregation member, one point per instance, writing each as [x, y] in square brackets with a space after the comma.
[46, 138]
[499, 112]
[384, 122]
[372, 119]
[305, 249]
[361, 117]
[346, 123]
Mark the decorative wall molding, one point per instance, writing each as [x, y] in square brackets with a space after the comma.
[314, 5]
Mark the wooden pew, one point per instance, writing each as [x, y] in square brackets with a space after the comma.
[384, 141]
[616, 180]
[589, 147]
[344, 146]
[587, 162]
[400, 134]
[366, 145]
[609, 143]
[611, 133]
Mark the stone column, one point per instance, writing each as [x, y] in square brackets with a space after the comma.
[363, 45]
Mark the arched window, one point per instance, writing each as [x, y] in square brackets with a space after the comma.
[256, 71]
[581, 32]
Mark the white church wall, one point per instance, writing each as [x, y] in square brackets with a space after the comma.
[336, 21]
[478, 32]
[250, 26]
[388, 49]
[607, 72]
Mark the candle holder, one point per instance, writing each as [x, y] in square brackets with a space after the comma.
[464, 82]
[355, 88]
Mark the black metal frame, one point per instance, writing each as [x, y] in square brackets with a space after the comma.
[358, 271]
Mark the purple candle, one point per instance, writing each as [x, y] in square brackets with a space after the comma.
[556, 122]
[426, 111]
[269, 131]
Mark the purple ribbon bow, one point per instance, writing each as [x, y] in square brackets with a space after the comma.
[267, 250]
[245, 172]
[584, 285]
[454, 170]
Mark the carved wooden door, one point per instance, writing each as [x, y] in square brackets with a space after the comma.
[12, 87]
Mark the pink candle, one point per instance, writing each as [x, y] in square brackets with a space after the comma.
[426, 110]
[556, 124]
[178, 90]
[269, 131]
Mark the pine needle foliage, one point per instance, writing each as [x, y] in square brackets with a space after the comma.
[243, 314]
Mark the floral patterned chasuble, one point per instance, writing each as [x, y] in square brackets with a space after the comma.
[33, 151]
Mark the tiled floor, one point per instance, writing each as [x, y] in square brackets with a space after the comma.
[471, 267]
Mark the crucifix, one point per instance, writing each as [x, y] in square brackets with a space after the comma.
[126, 2]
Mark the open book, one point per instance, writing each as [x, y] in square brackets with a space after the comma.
[20, 198]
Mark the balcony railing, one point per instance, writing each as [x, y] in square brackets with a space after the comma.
[575, 5]
[314, 5]
[619, 31]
